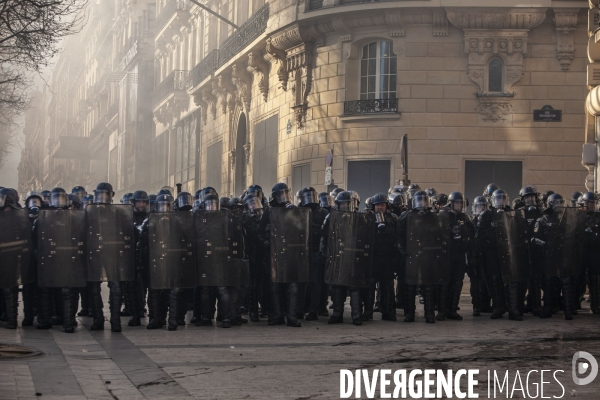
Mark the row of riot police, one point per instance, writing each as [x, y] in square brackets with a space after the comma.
[221, 255]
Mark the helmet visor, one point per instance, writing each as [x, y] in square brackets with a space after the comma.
[458, 205]
[478, 208]
[346, 206]
[283, 196]
[80, 193]
[211, 205]
[185, 202]
[164, 206]
[102, 197]
[308, 197]
[530, 200]
[167, 188]
[420, 201]
[59, 200]
[34, 202]
[500, 200]
[325, 200]
[555, 203]
[253, 204]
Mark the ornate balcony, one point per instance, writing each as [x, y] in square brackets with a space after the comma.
[248, 32]
[371, 106]
[204, 69]
[319, 4]
[175, 81]
[171, 8]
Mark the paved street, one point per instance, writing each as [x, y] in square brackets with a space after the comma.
[257, 361]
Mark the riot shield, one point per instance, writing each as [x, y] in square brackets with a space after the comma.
[61, 259]
[513, 246]
[172, 250]
[290, 246]
[349, 249]
[218, 252]
[563, 256]
[110, 246]
[16, 250]
[426, 249]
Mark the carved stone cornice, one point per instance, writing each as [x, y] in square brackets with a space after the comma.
[258, 65]
[494, 108]
[393, 20]
[242, 80]
[280, 58]
[203, 106]
[439, 23]
[565, 21]
[224, 89]
[496, 18]
[220, 93]
[210, 99]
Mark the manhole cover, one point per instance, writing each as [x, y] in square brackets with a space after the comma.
[15, 351]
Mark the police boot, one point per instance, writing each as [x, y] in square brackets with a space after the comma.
[11, 303]
[443, 291]
[154, 310]
[254, 289]
[59, 312]
[595, 293]
[44, 318]
[514, 313]
[567, 288]
[476, 296]
[69, 310]
[355, 306]
[28, 301]
[388, 306]
[226, 305]
[498, 298]
[84, 293]
[132, 288]
[410, 292]
[276, 317]
[97, 305]
[173, 304]
[126, 312]
[454, 299]
[337, 317]
[181, 307]
[369, 299]
[429, 304]
[292, 295]
[115, 297]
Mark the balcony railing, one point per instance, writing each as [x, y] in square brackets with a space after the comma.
[248, 32]
[371, 106]
[207, 66]
[318, 4]
[169, 9]
[175, 81]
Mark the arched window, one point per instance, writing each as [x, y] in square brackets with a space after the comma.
[496, 75]
[378, 71]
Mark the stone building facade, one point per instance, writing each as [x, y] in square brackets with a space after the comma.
[297, 79]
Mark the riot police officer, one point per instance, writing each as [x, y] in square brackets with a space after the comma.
[591, 249]
[480, 296]
[236, 210]
[384, 262]
[259, 274]
[136, 290]
[158, 299]
[34, 203]
[531, 213]
[325, 201]
[309, 198]
[87, 199]
[460, 246]
[343, 203]
[280, 194]
[79, 191]
[549, 234]
[8, 203]
[574, 196]
[420, 227]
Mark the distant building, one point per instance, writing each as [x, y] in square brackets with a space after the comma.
[266, 102]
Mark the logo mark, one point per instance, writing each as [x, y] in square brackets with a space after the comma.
[582, 367]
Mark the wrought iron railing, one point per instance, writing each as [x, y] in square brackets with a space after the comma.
[203, 69]
[168, 10]
[248, 32]
[176, 80]
[371, 106]
[315, 4]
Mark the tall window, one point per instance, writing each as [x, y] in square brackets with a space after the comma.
[496, 75]
[378, 71]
